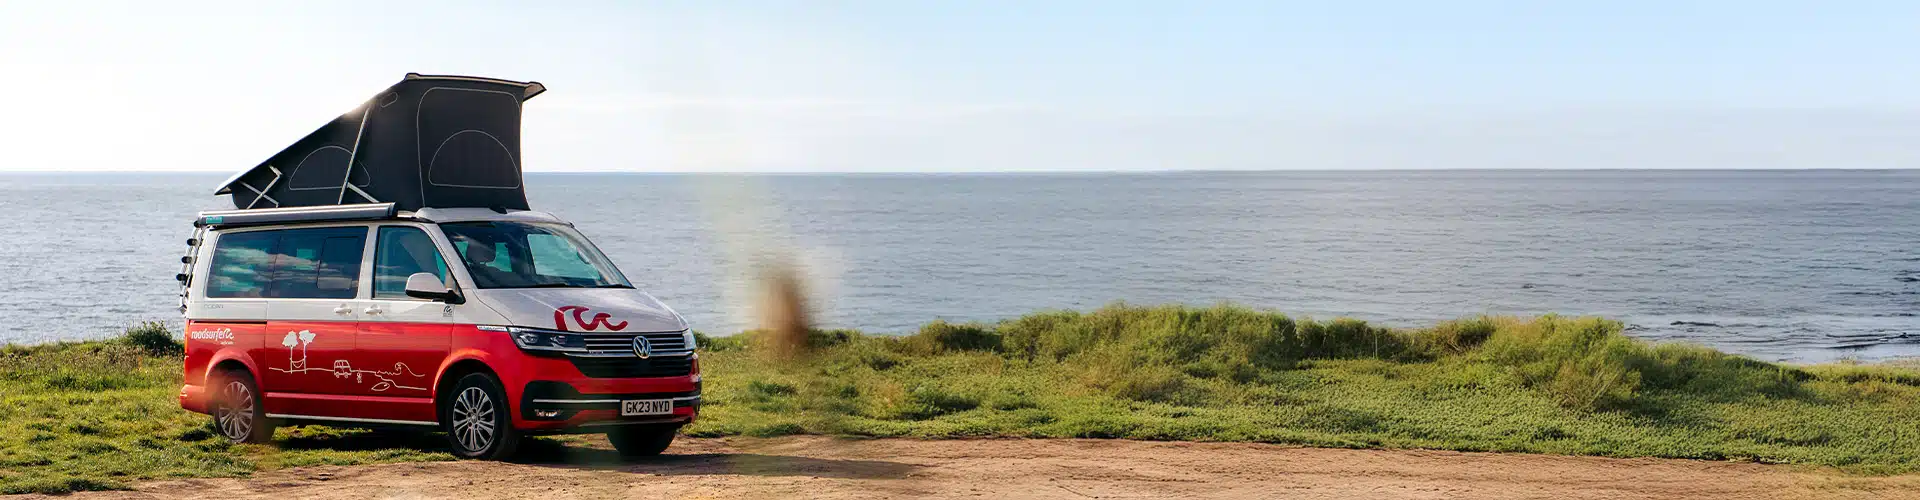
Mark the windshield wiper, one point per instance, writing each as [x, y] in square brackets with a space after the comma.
[614, 285]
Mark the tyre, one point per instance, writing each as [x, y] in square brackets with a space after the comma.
[635, 441]
[477, 419]
[235, 406]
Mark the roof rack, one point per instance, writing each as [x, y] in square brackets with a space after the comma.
[261, 216]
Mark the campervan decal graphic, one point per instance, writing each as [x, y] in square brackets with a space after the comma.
[341, 369]
[579, 318]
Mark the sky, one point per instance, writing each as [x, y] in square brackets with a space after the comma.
[890, 86]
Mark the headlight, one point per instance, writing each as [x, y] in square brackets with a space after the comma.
[545, 340]
[690, 340]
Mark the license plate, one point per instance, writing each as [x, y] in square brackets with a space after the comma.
[646, 407]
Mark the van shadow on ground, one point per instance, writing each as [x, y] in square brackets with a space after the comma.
[553, 453]
[572, 453]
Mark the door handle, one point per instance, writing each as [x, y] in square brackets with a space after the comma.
[375, 310]
[343, 310]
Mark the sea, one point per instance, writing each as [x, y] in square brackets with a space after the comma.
[1805, 266]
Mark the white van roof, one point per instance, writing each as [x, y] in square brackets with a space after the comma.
[481, 214]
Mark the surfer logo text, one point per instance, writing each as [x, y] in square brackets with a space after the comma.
[222, 336]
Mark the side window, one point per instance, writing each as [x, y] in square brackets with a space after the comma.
[321, 263]
[241, 265]
[553, 256]
[399, 252]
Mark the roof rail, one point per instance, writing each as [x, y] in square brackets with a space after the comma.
[260, 216]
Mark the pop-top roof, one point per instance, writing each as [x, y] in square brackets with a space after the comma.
[428, 141]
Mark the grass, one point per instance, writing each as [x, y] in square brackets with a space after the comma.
[99, 415]
[1547, 385]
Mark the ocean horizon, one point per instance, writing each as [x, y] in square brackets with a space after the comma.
[1801, 265]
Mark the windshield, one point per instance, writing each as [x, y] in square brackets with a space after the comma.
[528, 255]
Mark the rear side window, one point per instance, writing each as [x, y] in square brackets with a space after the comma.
[241, 262]
[321, 263]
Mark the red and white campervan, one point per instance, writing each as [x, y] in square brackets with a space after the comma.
[385, 271]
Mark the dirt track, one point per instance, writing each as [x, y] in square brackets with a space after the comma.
[814, 467]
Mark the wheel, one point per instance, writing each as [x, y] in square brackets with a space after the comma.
[636, 441]
[236, 409]
[477, 419]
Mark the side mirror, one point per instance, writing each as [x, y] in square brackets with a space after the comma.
[428, 286]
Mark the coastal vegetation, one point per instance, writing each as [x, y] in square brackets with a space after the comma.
[99, 415]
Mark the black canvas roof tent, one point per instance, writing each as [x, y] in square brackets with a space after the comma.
[428, 141]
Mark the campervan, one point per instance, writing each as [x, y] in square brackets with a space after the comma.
[386, 271]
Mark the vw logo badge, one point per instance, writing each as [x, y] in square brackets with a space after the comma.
[642, 348]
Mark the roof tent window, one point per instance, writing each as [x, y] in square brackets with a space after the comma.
[468, 136]
[322, 169]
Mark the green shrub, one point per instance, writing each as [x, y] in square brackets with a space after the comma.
[1706, 372]
[57, 485]
[1153, 384]
[821, 339]
[928, 401]
[879, 357]
[757, 339]
[92, 366]
[153, 337]
[776, 430]
[1210, 342]
[1893, 374]
[1582, 363]
[766, 391]
[1459, 336]
[1339, 419]
[942, 337]
[1347, 338]
[1599, 379]
[1009, 400]
[1034, 335]
[708, 343]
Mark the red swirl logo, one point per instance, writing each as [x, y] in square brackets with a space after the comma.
[579, 314]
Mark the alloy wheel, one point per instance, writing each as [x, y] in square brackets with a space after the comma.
[235, 415]
[473, 419]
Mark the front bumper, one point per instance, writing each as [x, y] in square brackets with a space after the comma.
[588, 405]
[552, 401]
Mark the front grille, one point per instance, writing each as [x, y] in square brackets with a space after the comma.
[630, 367]
[664, 343]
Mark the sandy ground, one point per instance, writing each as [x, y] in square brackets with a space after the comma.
[815, 467]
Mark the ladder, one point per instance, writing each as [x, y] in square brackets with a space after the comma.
[186, 264]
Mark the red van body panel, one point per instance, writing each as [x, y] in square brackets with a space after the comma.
[310, 387]
[210, 343]
[305, 366]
